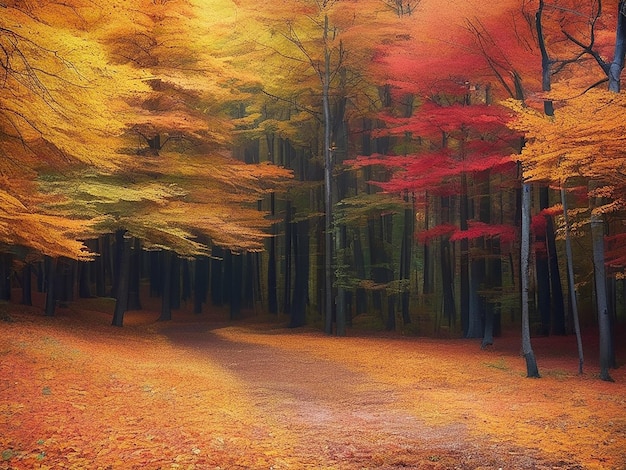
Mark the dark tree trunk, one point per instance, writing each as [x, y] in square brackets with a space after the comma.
[406, 251]
[543, 287]
[201, 283]
[272, 282]
[250, 280]
[27, 283]
[428, 285]
[122, 278]
[167, 281]
[288, 261]
[227, 286]
[134, 287]
[236, 285]
[556, 290]
[5, 276]
[301, 282]
[156, 274]
[464, 259]
[100, 269]
[447, 280]
[532, 370]
[604, 319]
[359, 265]
[447, 267]
[51, 276]
[175, 290]
[217, 296]
[475, 327]
[84, 279]
[116, 260]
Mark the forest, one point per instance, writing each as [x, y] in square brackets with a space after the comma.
[443, 169]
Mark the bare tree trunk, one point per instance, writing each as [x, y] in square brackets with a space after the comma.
[527, 350]
[122, 279]
[604, 319]
[572, 284]
[328, 170]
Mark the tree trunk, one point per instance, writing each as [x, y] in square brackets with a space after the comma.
[201, 282]
[27, 284]
[51, 276]
[134, 287]
[616, 67]
[529, 355]
[604, 319]
[301, 282]
[272, 282]
[166, 290]
[287, 286]
[236, 285]
[328, 199]
[6, 260]
[122, 279]
[406, 251]
[571, 282]
[217, 276]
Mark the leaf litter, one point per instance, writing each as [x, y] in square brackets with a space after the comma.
[199, 393]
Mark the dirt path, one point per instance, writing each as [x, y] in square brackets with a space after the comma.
[343, 418]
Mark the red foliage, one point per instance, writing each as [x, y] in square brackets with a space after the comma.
[440, 230]
[616, 252]
[476, 229]
[538, 224]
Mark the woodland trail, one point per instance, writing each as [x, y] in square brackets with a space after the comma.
[198, 394]
[339, 418]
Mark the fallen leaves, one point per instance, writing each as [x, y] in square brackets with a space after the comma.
[77, 393]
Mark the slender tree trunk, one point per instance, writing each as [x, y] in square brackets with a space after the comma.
[217, 261]
[201, 282]
[237, 285]
[175, 288]
[100, 269]
[301, 282]
[328, 199]
[272, 282]
[84, 279]
[529, 355]
[406, 252]
[122, 279]
[287, 286]
[5, 276]
[166, 290]
[51, 277]
[616, 67]
[134, 289]
[27, 283]
[571, 282]
[604, 319]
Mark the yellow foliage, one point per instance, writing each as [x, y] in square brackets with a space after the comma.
[586, 137]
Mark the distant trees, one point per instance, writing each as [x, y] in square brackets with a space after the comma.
[337, 161]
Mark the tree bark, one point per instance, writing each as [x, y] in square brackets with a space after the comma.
[166, 290]
[328, 199]
[301, 282]
[122, 279]
[27, 283]
[51, 277]
[531, 363]
[571, 282]
[604, 319]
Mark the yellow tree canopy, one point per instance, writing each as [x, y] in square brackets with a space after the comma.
[586, 137]
[58, 110]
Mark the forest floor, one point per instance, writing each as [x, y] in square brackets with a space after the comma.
[200, 393]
